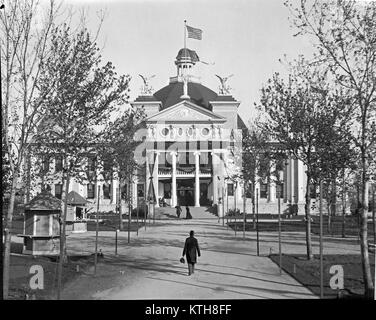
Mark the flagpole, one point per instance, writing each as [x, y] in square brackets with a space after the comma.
[185, 35]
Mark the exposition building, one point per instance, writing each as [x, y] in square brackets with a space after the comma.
[193, 152]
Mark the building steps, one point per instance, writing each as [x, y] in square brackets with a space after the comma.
[165, 213]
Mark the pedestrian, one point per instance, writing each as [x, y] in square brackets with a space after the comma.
[178, 211]
[188, 214]
[191, 250]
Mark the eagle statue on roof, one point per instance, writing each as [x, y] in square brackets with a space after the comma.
[224, 88]
[146, 89]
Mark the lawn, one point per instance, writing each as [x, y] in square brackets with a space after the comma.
[308, 273]
[110, 223]
[298, 224]
[20, 275]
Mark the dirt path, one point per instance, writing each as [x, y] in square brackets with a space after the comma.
[149, 267]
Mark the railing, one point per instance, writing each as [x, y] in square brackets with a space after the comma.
[188, 171]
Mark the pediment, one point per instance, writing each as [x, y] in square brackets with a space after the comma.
[186, 111]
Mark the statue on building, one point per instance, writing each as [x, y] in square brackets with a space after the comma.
[224, 88]
[213, 130]
[151, 131]
[172, 131]
[220, 132]
[185, 95]
[146, 89]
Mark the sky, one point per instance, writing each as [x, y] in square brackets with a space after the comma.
[245, 38]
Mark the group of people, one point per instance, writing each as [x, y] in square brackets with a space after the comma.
[179, 211]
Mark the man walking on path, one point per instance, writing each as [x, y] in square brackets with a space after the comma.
[188, 214]
[178, 210]
[191, 249]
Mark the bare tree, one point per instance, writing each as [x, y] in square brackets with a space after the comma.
[344, 36]
[82, 100]
[309, 122]
[25, 31]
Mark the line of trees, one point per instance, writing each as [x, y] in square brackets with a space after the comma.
[323, 113]
[59, 99]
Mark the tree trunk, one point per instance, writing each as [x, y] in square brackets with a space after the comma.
[367, 277]
[344, 207]
[62, 256]
[308, 219]
[253, 205]
[329, 209]
[373, 214]
[8, 236]
[119, 206]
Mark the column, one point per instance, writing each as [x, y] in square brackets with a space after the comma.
[301, 181]
[155, 179]
[197, 179]
[272, 184]
[288, 180]
[215, 179]
[292, 181]
[147, 175]
[173, 184]
[285, 182]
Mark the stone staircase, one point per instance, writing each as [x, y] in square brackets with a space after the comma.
[165, 213]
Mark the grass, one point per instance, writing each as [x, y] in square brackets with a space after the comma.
[20, 276]
[351, 226]
[109, 224]
[308, 273]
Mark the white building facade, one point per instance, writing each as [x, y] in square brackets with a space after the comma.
[191, 155]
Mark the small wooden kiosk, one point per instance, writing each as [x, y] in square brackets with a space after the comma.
[76, 213]
[41, 225]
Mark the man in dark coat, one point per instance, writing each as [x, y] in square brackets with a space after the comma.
[178, 210]
[191, 249]
[188, 215]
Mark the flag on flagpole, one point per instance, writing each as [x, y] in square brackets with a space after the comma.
[194, 33]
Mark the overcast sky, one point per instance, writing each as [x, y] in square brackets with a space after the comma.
[241, 37]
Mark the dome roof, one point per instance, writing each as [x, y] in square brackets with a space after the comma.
[185, 52]
[199, 94]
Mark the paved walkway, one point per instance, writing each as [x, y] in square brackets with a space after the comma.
[148, 267]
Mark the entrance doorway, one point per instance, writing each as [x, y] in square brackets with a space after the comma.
[185, 192]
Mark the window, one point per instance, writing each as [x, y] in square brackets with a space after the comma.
[107, 170]
[165, 131]
[91, 163]
[107, 191]
[312, 191]
[58, 163]
[107, 165]
[280, 190]
[124, 192]
[263, 190]
[45, 164]
[58, 190]
[140, 190]
[90, 191]
[205, 131]
[167, 191]
[230, 189]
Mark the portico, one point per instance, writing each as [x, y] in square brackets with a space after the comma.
[191, 133]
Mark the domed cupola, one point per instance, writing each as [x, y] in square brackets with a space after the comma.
[185, 60]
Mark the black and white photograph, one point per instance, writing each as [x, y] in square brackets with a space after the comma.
[189, 154]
